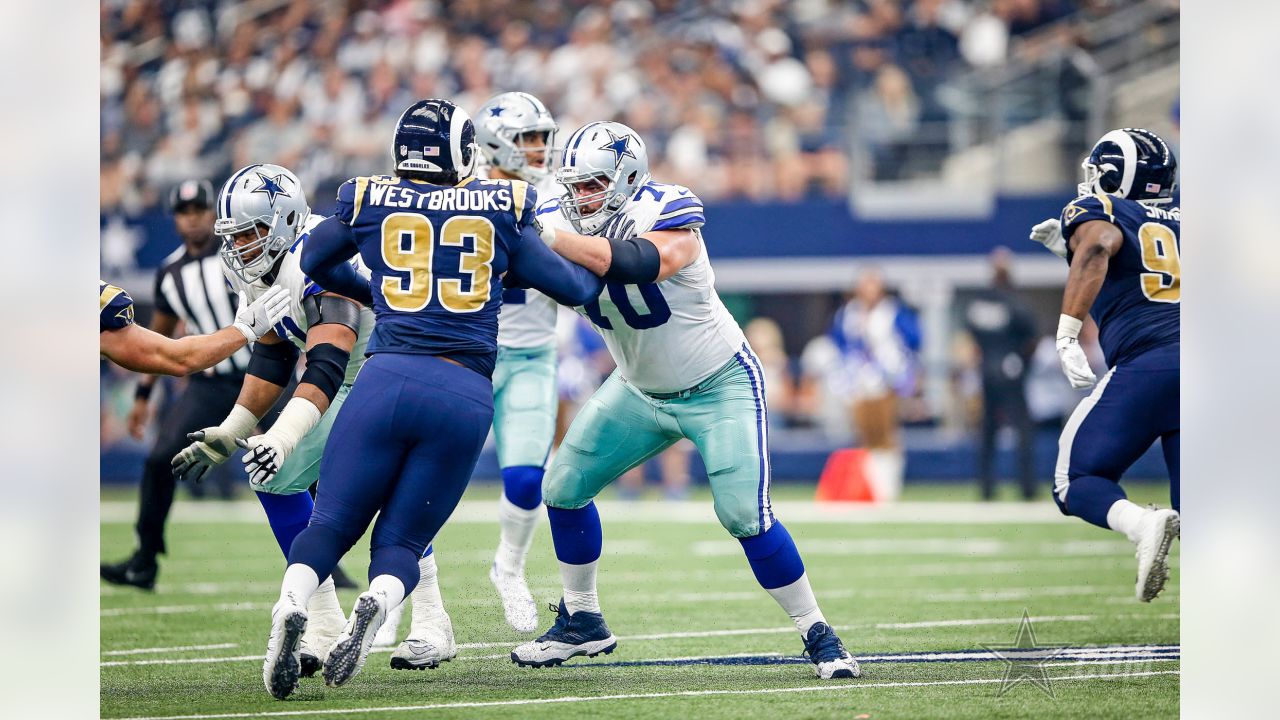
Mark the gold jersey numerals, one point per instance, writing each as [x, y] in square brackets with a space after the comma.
[1160, 256]
[409, 245]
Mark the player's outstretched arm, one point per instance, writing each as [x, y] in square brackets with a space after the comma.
[330, 340]
[324, 260]
[651, 257]
[142, 350]
[1092, 245]
[563, 281]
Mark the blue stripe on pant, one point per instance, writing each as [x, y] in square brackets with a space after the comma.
[403, 447]
[1134, 405]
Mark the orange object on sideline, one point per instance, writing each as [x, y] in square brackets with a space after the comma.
[844, 477]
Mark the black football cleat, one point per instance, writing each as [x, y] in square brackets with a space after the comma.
[138, 571]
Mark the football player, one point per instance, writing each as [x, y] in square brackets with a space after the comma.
[685, 370]
[264, 222]
[438, 242]
[1120, 238]
[515, 133]
[133, 347]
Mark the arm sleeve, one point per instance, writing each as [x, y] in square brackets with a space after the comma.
[540, 268]
[325, 259]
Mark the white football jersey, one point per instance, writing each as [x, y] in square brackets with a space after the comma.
[666, 336]
[528, 318]
[293, 326]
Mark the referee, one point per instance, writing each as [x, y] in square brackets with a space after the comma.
[190, 289]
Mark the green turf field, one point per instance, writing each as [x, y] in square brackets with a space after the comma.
[697, 637]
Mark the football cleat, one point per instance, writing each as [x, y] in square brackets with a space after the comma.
[137, 571]
[390, 629]
[827, 653]
[582, 633]
[323, 629]
[430, 643]
[1156, 532]
[281, 668]
[517, 601]
[352, 649]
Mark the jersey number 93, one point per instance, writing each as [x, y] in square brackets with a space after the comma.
[408, 246]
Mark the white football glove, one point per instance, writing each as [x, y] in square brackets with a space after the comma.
[255, 319]
[1049, 234]
[266, 453]
[1075, 365]
[212, 447]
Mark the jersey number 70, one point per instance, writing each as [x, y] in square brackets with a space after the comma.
[408, 246]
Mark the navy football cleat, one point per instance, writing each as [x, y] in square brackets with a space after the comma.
[582, 633]
[825, 650]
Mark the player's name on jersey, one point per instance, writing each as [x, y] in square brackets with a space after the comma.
[1174, 214]
[488, 199]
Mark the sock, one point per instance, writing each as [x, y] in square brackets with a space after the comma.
[1124, 517]
[580, 587]
[778, 568]
[1090, 497]
[798, 601]
[300, 581]
[287, 514]
[428, 606]
[391, 586]
[522, 485]
[518, 525]
[325, 600]
[397, 561]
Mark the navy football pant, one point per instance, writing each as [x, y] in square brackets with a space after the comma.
[403, 447]
[1134, 404]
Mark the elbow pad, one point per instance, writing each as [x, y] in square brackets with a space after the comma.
[635, 261]
[326, 366]
[273, 363]
[322, 309]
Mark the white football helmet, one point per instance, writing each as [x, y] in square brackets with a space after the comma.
[603, 166]
[499, 124]
[269, 200]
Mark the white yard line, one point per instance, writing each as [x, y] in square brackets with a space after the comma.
[829, 688]
[179, 648]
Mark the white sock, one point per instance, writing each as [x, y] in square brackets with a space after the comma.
[427, 604]
[325, 600]
[390, 586]
[798, 600]
[300, 581]
[517, 526]
[1124, 516]
[580, 587]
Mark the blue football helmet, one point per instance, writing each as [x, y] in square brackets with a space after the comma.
[1132, 163]
[435, 140]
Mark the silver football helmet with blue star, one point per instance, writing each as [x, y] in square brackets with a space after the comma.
[507, 130]
[267, 201]
[604, 164]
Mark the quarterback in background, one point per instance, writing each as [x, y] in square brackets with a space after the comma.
[264, 222]
[685, 370]
[1120, 237]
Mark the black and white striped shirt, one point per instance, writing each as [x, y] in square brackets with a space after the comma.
[193, 288]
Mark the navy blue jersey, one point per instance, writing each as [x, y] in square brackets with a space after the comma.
[437, 254]
[1139, 305]
[115, 307]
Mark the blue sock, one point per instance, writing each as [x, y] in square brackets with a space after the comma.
[288, 515]
[576, 534]
[523, 486]
[773, 556]
[1090, 497]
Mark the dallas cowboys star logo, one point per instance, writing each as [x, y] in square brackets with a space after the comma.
[1025, 659]
[272, 187]
[620, 146]
[496, 110]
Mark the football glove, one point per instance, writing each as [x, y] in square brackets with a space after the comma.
[1075, 365]
[1049, 234]
[212, 447]
[255, 319]
[265, 454]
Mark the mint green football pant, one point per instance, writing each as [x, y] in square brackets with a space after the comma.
[524, 405]
[725, 417]
[302, 467]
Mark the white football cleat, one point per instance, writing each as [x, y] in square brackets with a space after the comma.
[390, 629]
[348, 654]
[430, 643]
[1156, 532]
[580, 633]
[281, 667]
[323, 629]
[517, 601]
